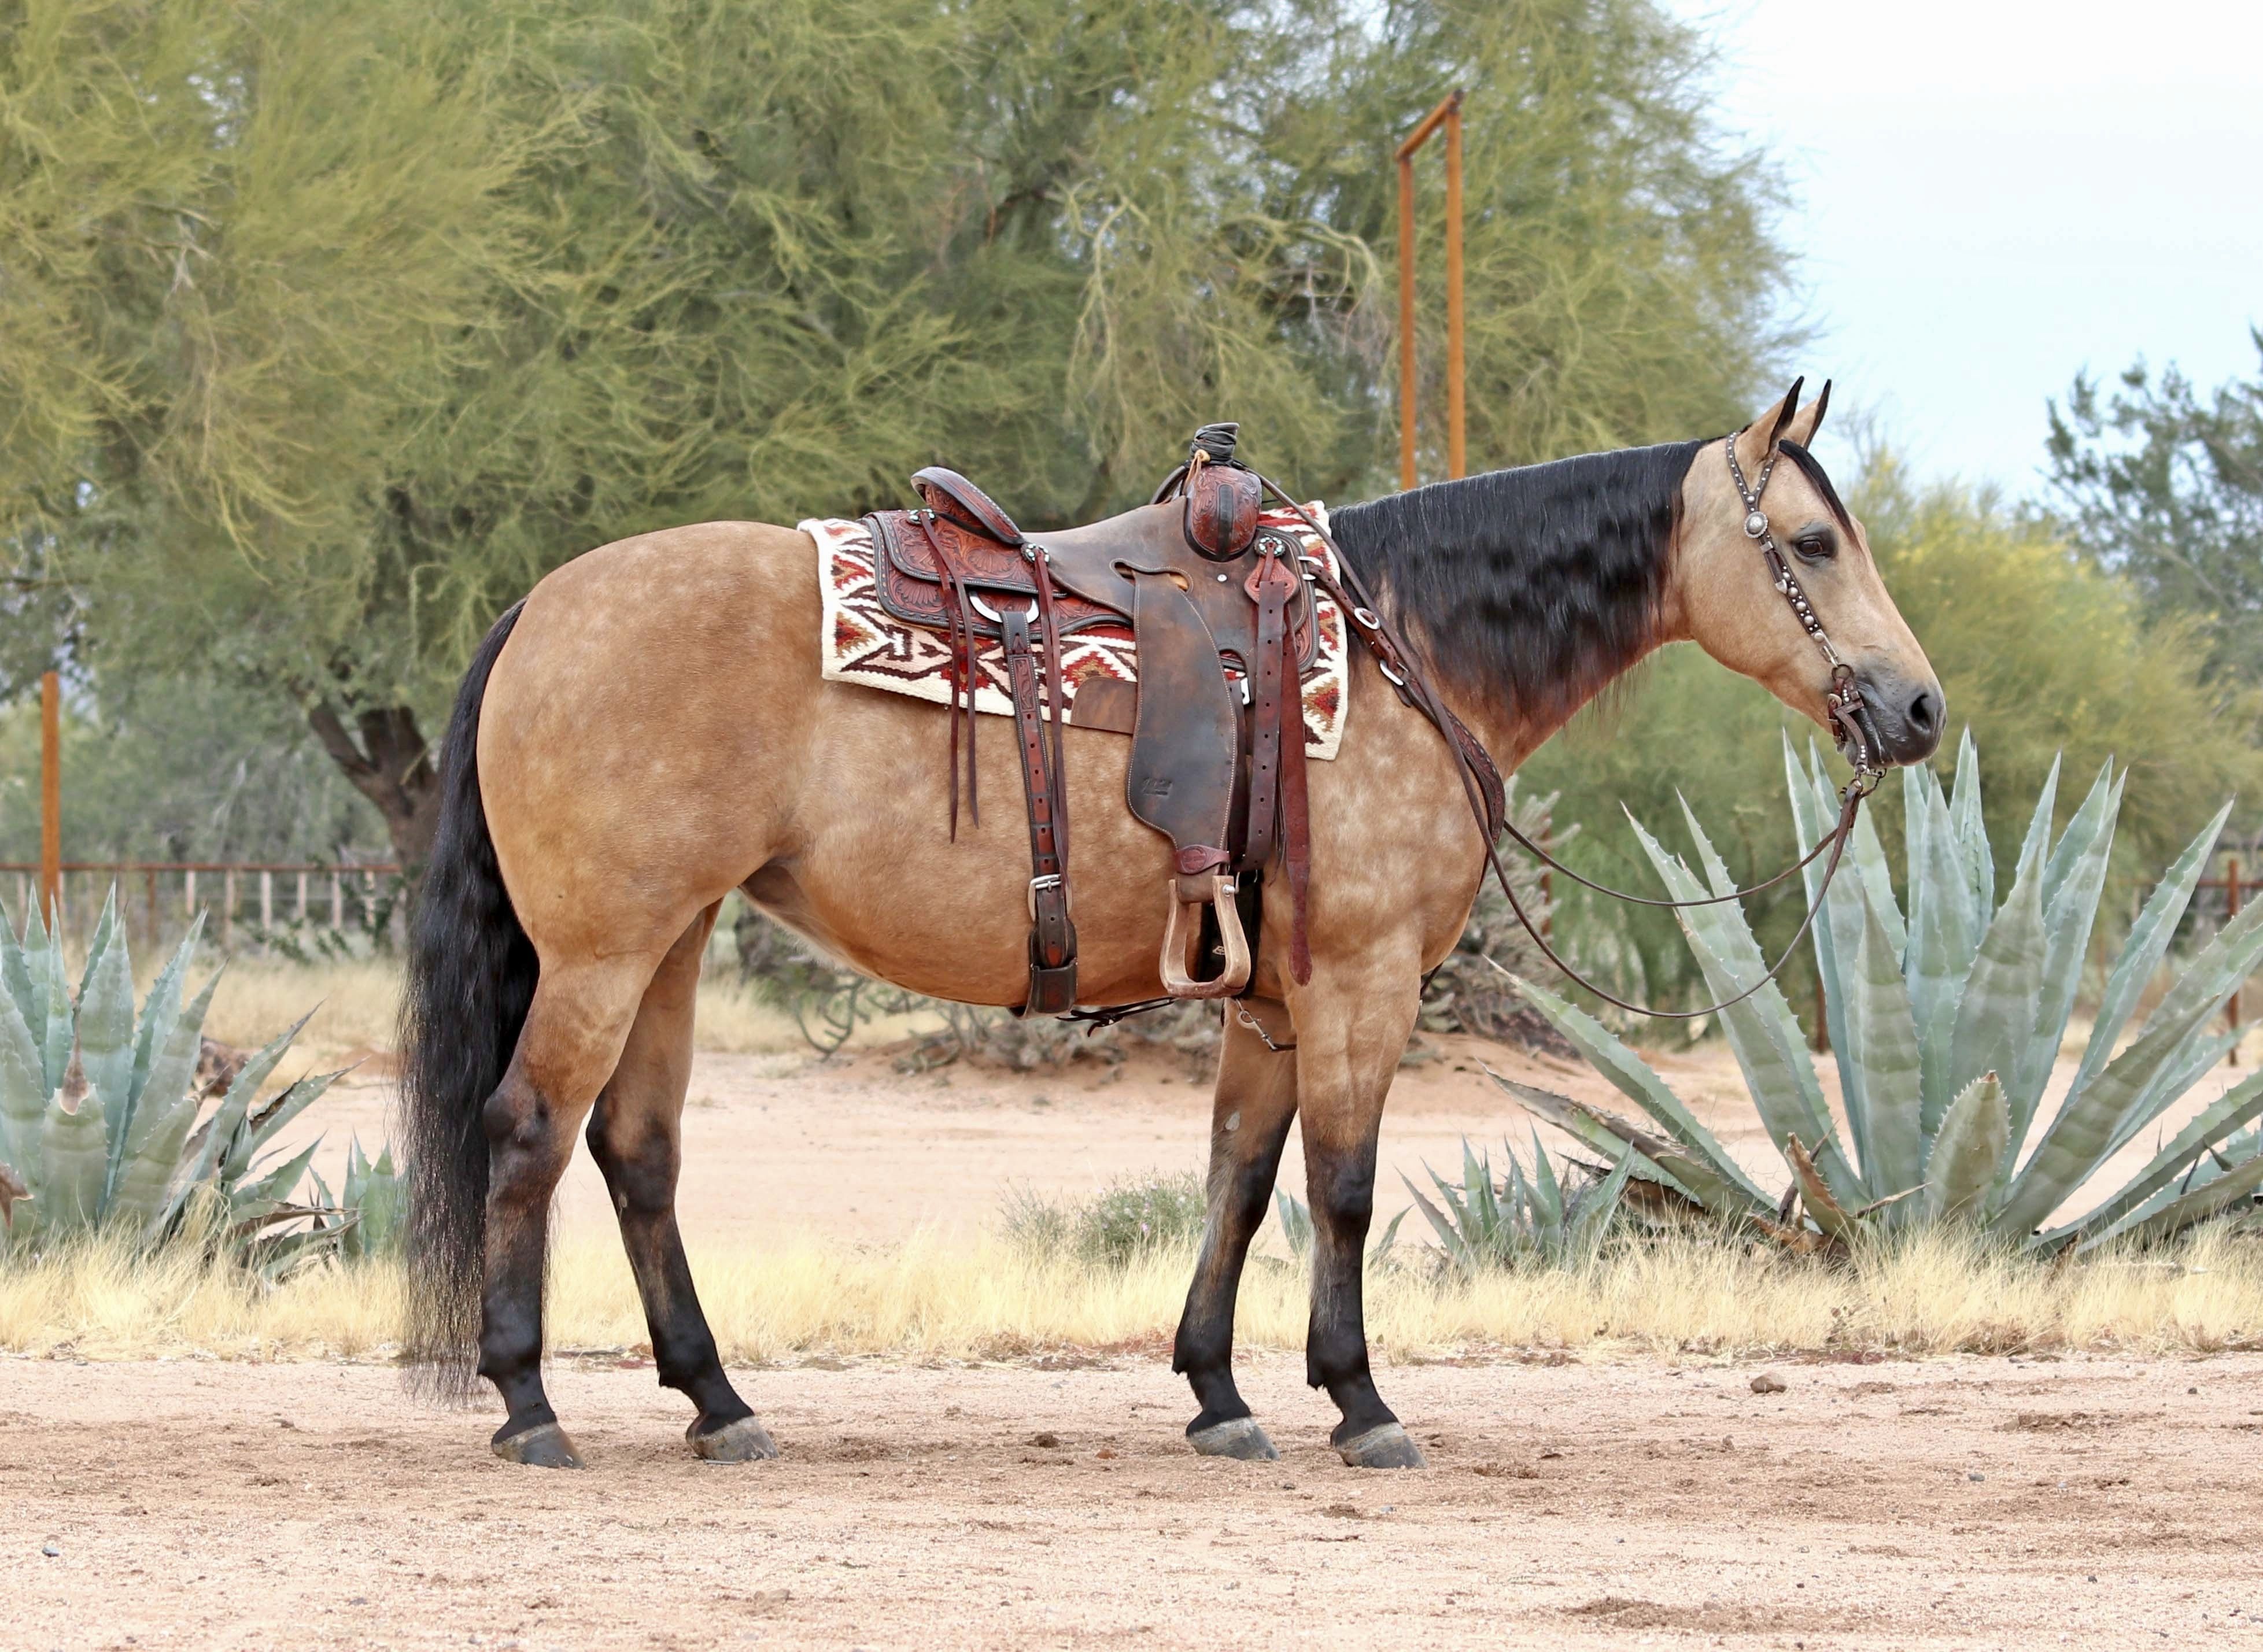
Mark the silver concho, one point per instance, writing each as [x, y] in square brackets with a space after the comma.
[1756, 526]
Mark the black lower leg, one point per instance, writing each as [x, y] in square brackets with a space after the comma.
[1245, 1158]
[641, 1178]
[1342, 1186]
[525, 1154]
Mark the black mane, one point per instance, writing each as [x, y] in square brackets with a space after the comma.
[1536, 585]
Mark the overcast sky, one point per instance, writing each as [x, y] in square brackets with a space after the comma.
[1994, 196]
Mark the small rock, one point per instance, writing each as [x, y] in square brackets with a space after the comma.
[2192, 1390]
[1048, 1439]
[1976, 1475]
[51, 1548]
[1764, 1383]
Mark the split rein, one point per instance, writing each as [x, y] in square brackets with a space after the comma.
[1843, 703]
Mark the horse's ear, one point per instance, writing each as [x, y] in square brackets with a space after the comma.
[1761, 436]
[1805, 423]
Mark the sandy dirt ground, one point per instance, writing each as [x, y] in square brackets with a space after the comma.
[1959, 1503]
[1956, 1503]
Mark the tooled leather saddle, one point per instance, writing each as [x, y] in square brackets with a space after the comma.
[1221, 610]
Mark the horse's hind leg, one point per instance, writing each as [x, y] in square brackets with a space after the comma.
[636, 1137]
[1255, 1103]
[572, 1039]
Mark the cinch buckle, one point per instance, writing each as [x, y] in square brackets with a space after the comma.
[1051, 880]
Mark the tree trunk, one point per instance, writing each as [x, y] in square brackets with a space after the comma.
[391, 765]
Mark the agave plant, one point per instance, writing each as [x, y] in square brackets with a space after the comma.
[1530, 1219]
[365, 1221]
[1946, 1023]
[98, 1109]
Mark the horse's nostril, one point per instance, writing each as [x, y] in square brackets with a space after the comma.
[1924, 713]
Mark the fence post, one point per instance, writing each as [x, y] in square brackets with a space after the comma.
[51, 796]
[189, 893]
[301, 915]
[2231, 905]
[267, 899]
[149, 902]
[228, 910]
[338, 900]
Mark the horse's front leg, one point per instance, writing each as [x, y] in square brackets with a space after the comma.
[1256, 1100]
[1352, 1025]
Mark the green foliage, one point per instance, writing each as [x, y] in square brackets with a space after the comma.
[99, 1115]
[1530, 1220]
[2038, 651]
[2165, 485]
[1115, 1227]
[329, 329]
[365, 1220]
[1945, 1024]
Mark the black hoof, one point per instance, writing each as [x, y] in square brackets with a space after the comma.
[1386, 1447]
[1238, 1436]
[745, 1441]
[544, 1446]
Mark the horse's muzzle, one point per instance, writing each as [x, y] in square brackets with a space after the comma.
[1903, 718]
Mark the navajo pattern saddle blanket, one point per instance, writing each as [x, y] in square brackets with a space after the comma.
[863, 644]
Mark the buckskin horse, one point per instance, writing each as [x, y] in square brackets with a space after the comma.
[648, 730]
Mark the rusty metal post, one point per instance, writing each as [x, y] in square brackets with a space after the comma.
[1458, 447]
[2232, 911]
[1448, 115]
[51, 796]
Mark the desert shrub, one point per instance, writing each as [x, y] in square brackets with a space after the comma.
[1112, 1228]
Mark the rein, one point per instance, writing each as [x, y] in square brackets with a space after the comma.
[1844, 704]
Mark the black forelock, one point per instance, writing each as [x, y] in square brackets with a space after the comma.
[1812, 468]
[1539, 584]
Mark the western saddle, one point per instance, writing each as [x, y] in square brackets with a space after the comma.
[1221, 609]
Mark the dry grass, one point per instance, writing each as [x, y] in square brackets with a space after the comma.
[984, 1299]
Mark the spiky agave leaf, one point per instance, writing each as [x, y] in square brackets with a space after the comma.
[2217, 1124]
[1591, 1223]
[2074, 875]
[1970, 828]
[1966, 1155]
[2208, 1197]
[1883, 1044]
[1944, 940]
[74, 1160]
[1760, 1028]
[164, 1112]
[1635, 1079]
[16, 973]
[2145, 946]
[160, 1010]
[1836, 934]
[2081, 1137]
[105, 1033]
[1996, 1011]
[1656, 1160]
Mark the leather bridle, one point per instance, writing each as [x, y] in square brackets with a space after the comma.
[1852, 724]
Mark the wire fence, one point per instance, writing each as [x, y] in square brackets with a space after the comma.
[294, 908]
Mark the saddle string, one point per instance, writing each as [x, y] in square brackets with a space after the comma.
[1844, 704]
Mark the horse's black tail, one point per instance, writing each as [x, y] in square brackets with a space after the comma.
[471, 977]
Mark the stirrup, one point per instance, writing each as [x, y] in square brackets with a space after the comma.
[1182, 935]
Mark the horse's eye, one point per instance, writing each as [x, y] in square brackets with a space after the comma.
[1820, 546]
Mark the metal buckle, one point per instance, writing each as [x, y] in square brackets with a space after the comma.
[1051, 880]
[1390, 676]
